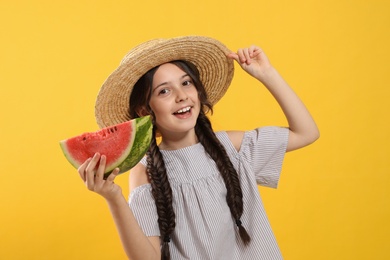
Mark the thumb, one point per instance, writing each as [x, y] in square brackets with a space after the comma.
[233, 56]
[113, 175]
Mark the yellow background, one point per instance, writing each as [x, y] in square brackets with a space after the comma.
[333, 198]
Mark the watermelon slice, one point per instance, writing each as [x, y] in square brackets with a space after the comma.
[124, 145]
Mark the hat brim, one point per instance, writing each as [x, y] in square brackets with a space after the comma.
[207, 54]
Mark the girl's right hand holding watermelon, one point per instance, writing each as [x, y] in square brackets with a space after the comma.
[92, 173]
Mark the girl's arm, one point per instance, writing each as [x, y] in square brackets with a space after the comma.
[303, 129]
[135, 243]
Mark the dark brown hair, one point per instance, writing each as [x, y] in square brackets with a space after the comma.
[161, 189]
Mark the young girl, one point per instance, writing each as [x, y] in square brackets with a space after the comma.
[195, 196]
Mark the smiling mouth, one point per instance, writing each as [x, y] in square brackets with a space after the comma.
[182, 111]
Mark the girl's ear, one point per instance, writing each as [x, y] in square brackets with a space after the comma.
[142, 111]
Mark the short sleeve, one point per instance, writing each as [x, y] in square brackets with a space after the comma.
[142, 205]
[263, 150]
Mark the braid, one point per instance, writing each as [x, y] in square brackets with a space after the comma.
[162, 194]
[218, 153]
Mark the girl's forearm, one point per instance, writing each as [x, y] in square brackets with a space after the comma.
[303, 129]
[135, 243]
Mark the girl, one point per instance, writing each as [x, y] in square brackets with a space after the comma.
[194, 196]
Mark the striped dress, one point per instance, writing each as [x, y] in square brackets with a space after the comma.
[205, 228]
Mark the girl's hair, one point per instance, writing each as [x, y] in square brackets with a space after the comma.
[161, 189]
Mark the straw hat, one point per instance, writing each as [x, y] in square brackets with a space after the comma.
[207, 54]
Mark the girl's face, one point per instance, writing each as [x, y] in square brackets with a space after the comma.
[174, 100]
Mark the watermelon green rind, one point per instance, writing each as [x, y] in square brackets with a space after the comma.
[140, 146]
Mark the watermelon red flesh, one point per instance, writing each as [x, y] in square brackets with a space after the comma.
[123, 144]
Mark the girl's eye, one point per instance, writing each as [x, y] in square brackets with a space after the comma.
[187, 83]
[163, 91]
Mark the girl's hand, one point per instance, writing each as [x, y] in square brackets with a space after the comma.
[92, 173]
[253, 60]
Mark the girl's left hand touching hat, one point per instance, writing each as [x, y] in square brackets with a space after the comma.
[253, 60]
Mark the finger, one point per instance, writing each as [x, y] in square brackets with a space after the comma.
[251, 50]
[90, 171]
[102, 166]
[236, 58]
[233, 56]
[241, 56]
[255, 50]
[113, 175]
[81, 169]
[247, 55]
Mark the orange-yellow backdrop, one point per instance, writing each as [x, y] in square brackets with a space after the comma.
[333, 198]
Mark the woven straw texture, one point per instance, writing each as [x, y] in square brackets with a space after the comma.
[207, 54]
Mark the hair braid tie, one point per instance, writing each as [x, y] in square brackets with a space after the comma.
[238, 222]
[167, 239]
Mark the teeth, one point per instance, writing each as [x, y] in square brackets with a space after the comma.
[184, 110]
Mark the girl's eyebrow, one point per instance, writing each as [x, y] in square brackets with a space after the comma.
[165, 83]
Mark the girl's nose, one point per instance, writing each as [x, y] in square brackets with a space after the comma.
[181, 96]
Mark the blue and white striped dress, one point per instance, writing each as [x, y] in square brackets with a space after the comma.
[205, 228]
